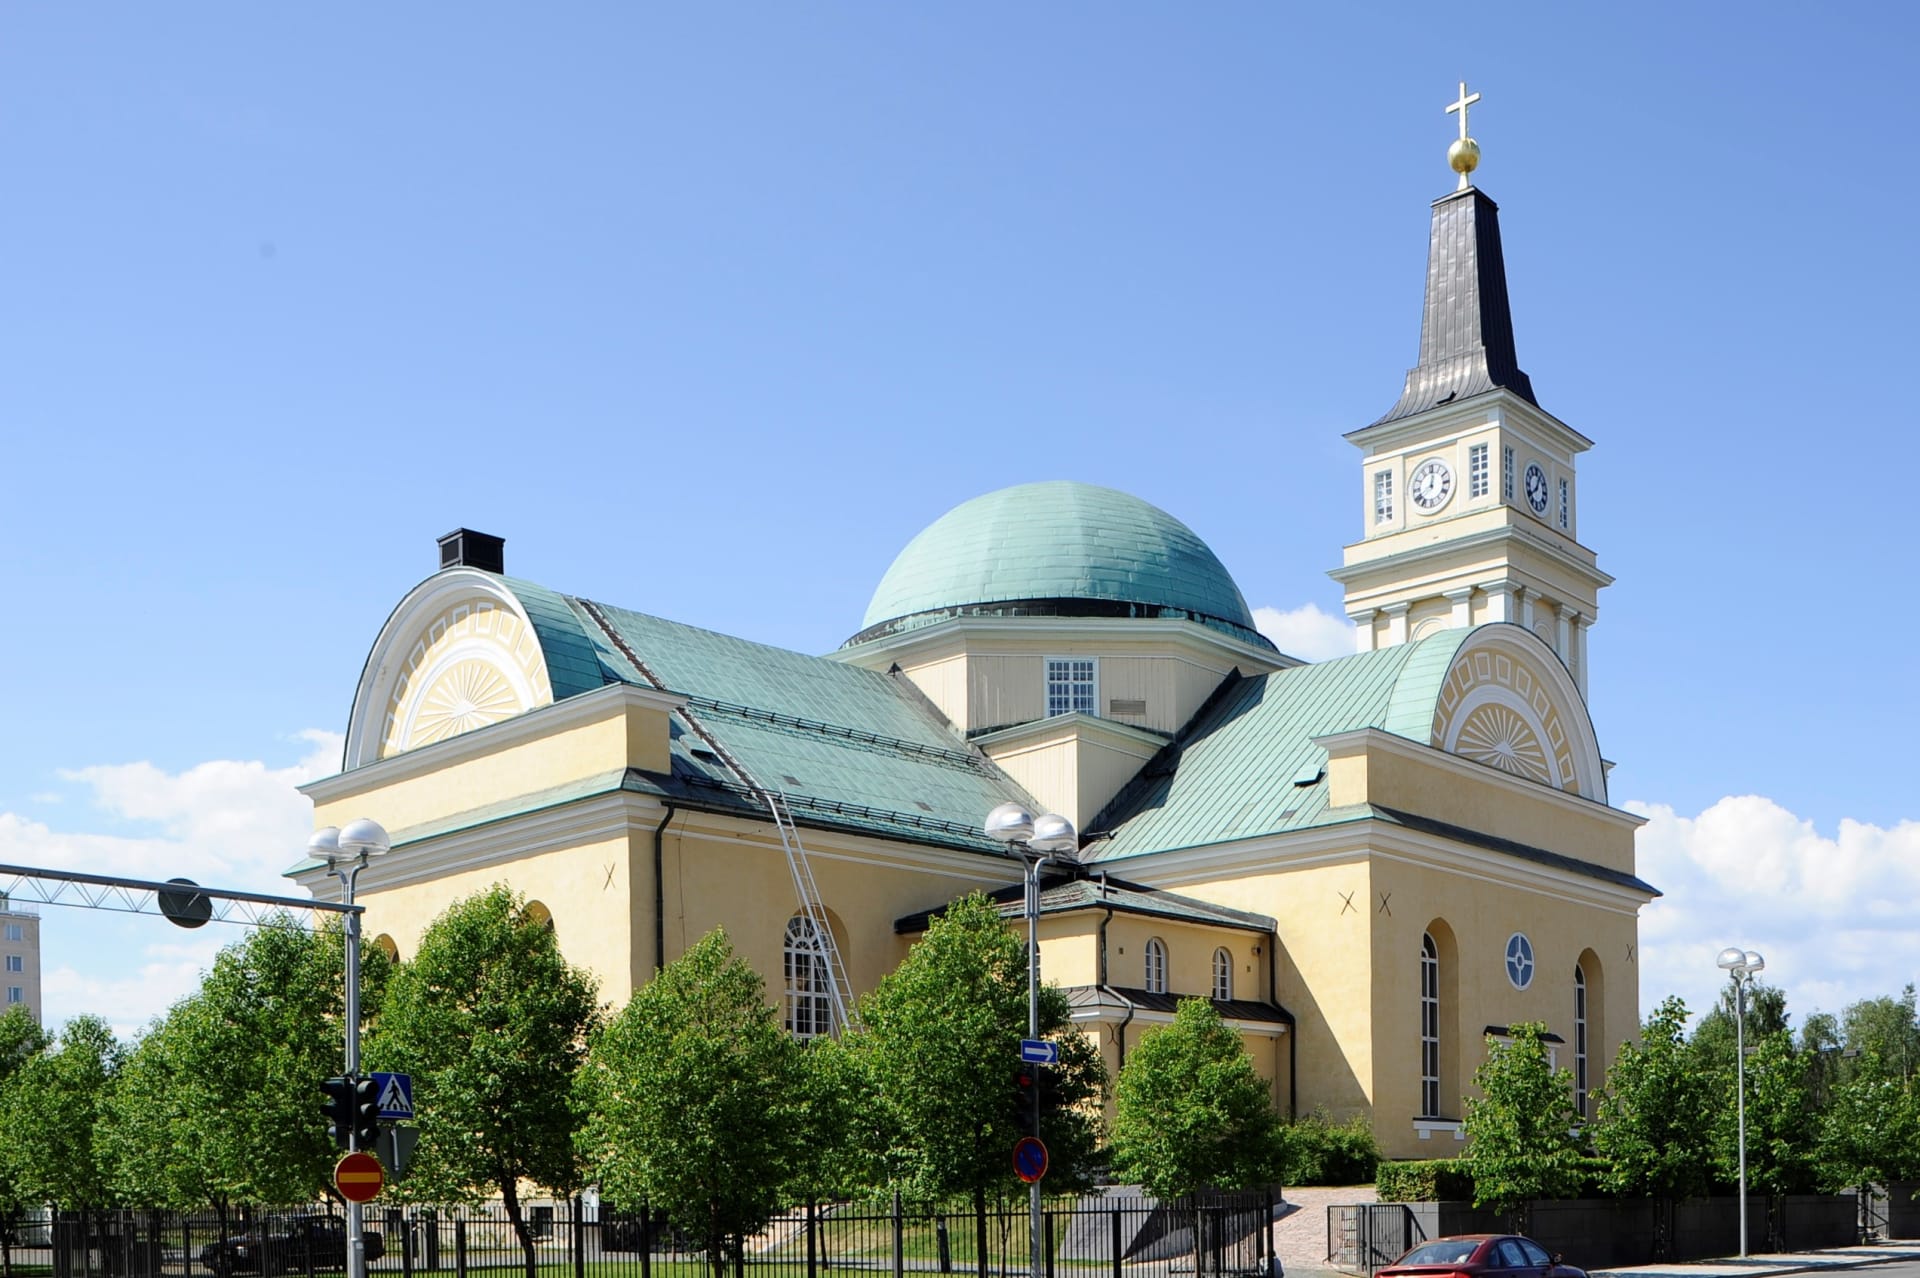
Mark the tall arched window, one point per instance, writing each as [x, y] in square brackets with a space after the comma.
[1156, 967]
[1429, 1028]
[809, 991]
[1580, 1040]
[1222, 974]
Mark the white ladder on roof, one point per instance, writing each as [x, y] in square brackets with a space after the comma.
[826, 949]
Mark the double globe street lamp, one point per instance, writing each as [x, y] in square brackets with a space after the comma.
[1036, 839]
[1742, 966]
[346, 850]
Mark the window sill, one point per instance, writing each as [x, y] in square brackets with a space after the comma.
[1426, 1127]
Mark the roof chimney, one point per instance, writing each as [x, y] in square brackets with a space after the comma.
[465, 548]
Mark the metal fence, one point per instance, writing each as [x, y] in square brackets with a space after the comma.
[1115, 1235]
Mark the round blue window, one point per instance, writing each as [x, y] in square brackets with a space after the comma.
[1520, 960]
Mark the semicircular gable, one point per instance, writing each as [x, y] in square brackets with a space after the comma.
[458, 653]
[1506, 701]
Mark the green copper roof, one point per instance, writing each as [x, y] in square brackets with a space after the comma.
[1062, 549]
[1235, 771]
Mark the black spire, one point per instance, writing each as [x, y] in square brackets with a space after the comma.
[1466, 330]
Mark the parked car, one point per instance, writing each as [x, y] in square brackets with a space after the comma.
[288, 1245]
[1504, 1255]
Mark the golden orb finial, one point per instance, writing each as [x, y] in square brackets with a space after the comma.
[1463, 157]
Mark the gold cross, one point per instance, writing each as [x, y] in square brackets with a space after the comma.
[1461, 106]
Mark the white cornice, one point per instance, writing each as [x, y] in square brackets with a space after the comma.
[1364, 838]
[959, 633]
[1397, 560]
[572, 712]
[1378, 740]
[1488, 409]
[616, 814]
[1059, 727]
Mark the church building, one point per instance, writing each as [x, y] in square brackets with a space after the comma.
[1369, 864]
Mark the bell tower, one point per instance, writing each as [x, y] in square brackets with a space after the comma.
[1469, 497]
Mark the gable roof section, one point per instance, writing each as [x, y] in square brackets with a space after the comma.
[845, 747]
[1064, 896]
[1247, 766]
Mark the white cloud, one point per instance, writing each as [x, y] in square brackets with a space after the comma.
[1306, 632]
[224, 823]
[1832, 914]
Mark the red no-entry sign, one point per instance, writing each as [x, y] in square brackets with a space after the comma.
[358, 1177]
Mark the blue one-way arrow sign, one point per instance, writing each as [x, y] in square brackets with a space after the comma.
[1039, 1051]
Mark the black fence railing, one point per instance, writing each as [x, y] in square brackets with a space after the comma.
[1115, 1235]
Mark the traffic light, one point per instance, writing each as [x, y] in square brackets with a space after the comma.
[338, 1108]
[1023, 1080]
[365, 1112]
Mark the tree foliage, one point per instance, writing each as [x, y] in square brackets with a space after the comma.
[1870, 1129]
[697, 1099]
[1192, 1113]
[492, 1022]
[1648, 1122]
[54, 1105]
[21, 1039]
[940, 1046]
[1522, 1129]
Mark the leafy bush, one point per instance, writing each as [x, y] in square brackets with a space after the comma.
[1427, 1180]
[1322, 1152]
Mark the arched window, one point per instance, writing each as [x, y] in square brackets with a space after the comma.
[1222, 975]
[809, 992]
[1580, 1040]
[1429, 1028]
[1156, 967]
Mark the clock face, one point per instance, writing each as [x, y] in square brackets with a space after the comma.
[1432, 484]
[1536, 488]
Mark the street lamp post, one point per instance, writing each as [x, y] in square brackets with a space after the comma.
[1741, 965]
[1036, 839]
[346, 852]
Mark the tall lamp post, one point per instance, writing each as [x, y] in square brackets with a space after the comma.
[1037, 840]
[1741, 965]
[346, 852]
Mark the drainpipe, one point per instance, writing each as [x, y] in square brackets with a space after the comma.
[1293, 1028]
[660, 893]
[1100, 979]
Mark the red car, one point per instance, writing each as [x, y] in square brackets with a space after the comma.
[1496, 1255]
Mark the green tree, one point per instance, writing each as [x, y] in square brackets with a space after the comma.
[1522, 1130]
[696, 1096]
[1649, 1122]
[940, 1045]
[1886, 1030]
[219, 1102]
[54, 1105]
[21, 1039]
[1715, 1033]
[1191, 1113]
[492, 1022]
[1782, 1127]
[1870, 1129]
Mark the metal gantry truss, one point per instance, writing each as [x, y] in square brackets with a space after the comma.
[143, 896]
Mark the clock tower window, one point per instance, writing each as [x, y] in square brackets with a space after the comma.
[1477, 471]
[1566, 505]
[1383, 497]
[1506, 472]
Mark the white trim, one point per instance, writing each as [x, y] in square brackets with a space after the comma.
[1491, 408]
[1146, 1016]
[1367, 838]
[1118, 736]
[1426, 1127]
[1394, 564]
[387, 658]
[1380, 741]
[616, 814]
[558, 716]
[1092, 662]
[957, 632]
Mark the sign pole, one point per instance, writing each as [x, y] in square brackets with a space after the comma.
[1033, 1031]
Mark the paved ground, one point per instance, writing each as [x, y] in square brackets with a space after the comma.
[1300, 1240]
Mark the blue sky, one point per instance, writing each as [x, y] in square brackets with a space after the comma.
[708, 310]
